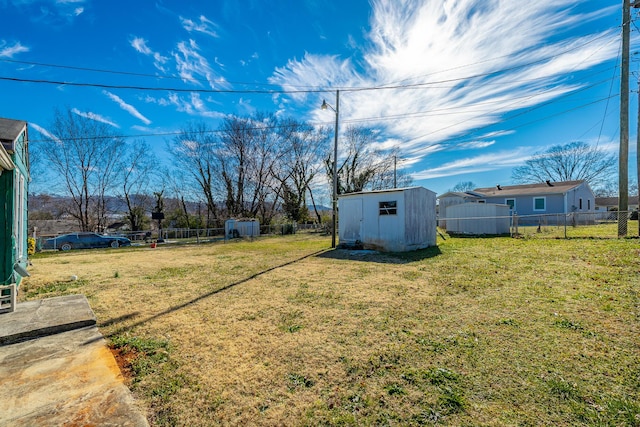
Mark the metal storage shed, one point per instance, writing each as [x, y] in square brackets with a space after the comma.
[234, 228]
[396, 220]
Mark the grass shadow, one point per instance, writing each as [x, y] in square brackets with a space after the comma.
[200, 297]
[382, 257]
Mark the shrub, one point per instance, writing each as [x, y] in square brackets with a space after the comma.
[31, 246]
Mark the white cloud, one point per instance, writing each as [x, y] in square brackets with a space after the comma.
[70, 9]
[192, 65]
[140, 45]
[481, 163]
[153, 100]
[7, 51]
[126, 107]
[44, 132]
[245, 62]
[193, 105]
[203, 26]
[474, 145]
[482, 59]
[94, 116]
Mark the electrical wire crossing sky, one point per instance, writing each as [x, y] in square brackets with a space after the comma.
[461, 90]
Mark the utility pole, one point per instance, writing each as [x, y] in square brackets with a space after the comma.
[623, 155]
[636, 4]
[395, 171]
[638, 151]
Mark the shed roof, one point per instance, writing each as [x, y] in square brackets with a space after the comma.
[464, 195]
[389, 190]
[10, 129]
[529, 189]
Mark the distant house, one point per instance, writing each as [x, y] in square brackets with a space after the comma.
[14, 178]
[542, 200]
[611, 203]
[396, 220]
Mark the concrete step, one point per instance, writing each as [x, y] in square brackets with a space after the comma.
[33, 319]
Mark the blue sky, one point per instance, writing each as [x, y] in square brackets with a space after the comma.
[465, 89]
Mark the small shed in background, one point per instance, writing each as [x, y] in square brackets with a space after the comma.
[453, 198]
[396, 220]
[234, 228]
[478, 219]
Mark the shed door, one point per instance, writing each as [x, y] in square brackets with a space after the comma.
[351, 220]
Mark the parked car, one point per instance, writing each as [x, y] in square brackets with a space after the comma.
[70, 241]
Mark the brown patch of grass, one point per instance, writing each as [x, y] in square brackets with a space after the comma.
[478, 331]
[125, 360]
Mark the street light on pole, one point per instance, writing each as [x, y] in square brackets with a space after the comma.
[324, 106]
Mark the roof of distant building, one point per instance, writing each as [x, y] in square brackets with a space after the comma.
[528, 189]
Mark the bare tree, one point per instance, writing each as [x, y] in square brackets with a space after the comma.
[136, 177]
[610, 188]
[387, 174]
[248, 149]
[83, 156]
[463, 186]
[362, 167]
[195, 153]
[300, 162]
[266, 151]
[571, 162]
[236, 136]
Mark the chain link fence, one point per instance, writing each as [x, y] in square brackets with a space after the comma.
[610, 224]
[201, 235]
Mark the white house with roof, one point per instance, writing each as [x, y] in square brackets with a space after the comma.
[529, 200]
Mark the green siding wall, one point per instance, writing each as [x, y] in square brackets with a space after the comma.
[13, 250]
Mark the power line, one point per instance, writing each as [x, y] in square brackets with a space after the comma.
[129, 73]
[150, 88]
[307, 89]
[610, 90]
[433, 112]
[541, 60]
[394, 117]
[423, 85]
[512, 117]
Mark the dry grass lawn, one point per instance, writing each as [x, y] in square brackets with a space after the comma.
[282, 331]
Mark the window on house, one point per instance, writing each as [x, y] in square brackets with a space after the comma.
[588, 204]
[580, 204]
[511, 203]
[388, 208]
[539, 203]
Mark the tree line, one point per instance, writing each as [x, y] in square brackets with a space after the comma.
[257, 166]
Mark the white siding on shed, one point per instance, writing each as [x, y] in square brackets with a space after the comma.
[242, 228]
[390, 220]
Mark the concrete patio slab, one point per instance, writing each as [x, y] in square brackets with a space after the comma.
[53, 374]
